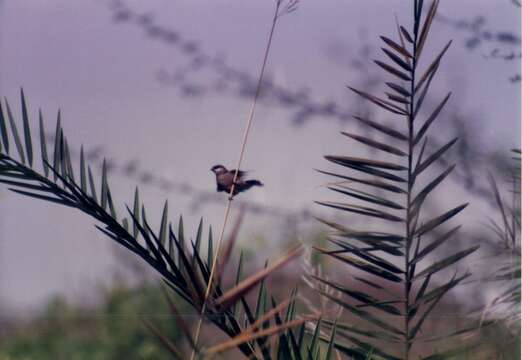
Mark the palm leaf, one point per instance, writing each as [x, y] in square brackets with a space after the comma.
[370, 182]
[27, 129]
[390, 69]
[433, 157]
[398, 48]
[382, 128]
[361, 195]
[380, 102]
[14, 131]
[447, 261]
[430, 119]
[432, 67]
[433, 223]
[365, 168]
[375, 144]
[401, 91]
[43, 144]
[364, 266]
[421, 196]
[104, 186]
[57, 150]
[83, 171]
[92, 185]
[403, 64]
[3, 130]
[435, 244]
[164, 223]
[410, 91]
[426, 28]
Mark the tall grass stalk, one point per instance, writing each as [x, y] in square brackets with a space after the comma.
[250, 119]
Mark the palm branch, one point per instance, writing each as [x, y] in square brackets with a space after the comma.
[392, 194]
[182, 263]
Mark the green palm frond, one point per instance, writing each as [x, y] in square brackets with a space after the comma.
[394, 191]
[180, 262]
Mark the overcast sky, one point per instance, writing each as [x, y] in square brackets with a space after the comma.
[103, 76]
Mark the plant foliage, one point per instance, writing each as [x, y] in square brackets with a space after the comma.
[506, 305]
[182, 263]
[395, 192]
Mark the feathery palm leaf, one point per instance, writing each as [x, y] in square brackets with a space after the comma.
[185, 270]
[403, 174]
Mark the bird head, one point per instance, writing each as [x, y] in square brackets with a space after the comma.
[218, 169]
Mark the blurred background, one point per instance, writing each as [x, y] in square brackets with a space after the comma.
[162, 89]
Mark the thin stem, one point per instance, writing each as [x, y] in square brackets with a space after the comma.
[513, 250]
[409, 234]
[240, 160]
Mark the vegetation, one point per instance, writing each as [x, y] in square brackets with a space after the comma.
[110, 330]
[395, 265]
[504, 308]
[398, 191]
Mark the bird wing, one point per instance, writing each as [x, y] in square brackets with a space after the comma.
[240, 173]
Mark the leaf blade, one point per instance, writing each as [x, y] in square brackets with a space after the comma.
[430, 120]
[433, 223]
[43, 145]
[448, 261]
[382, 128]
[375, 144]
[57, 150]
[27, 130]
[14, 132]
[3, 130]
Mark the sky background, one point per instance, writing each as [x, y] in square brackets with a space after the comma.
[103, 75]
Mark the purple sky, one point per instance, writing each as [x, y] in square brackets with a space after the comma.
[71, 55]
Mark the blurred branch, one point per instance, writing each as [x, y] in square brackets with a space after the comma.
[479, 32]
[224, 78]
[132, 170]
[507, 43]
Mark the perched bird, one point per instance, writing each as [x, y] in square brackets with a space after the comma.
[225, 178]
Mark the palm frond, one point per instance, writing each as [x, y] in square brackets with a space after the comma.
[394, 193]
[182, 265]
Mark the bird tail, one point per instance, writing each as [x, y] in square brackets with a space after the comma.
[251, 183]
[246, 185]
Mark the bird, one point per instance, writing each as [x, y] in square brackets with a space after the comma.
[225, 179]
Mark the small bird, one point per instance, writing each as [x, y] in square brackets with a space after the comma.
[225, 179]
